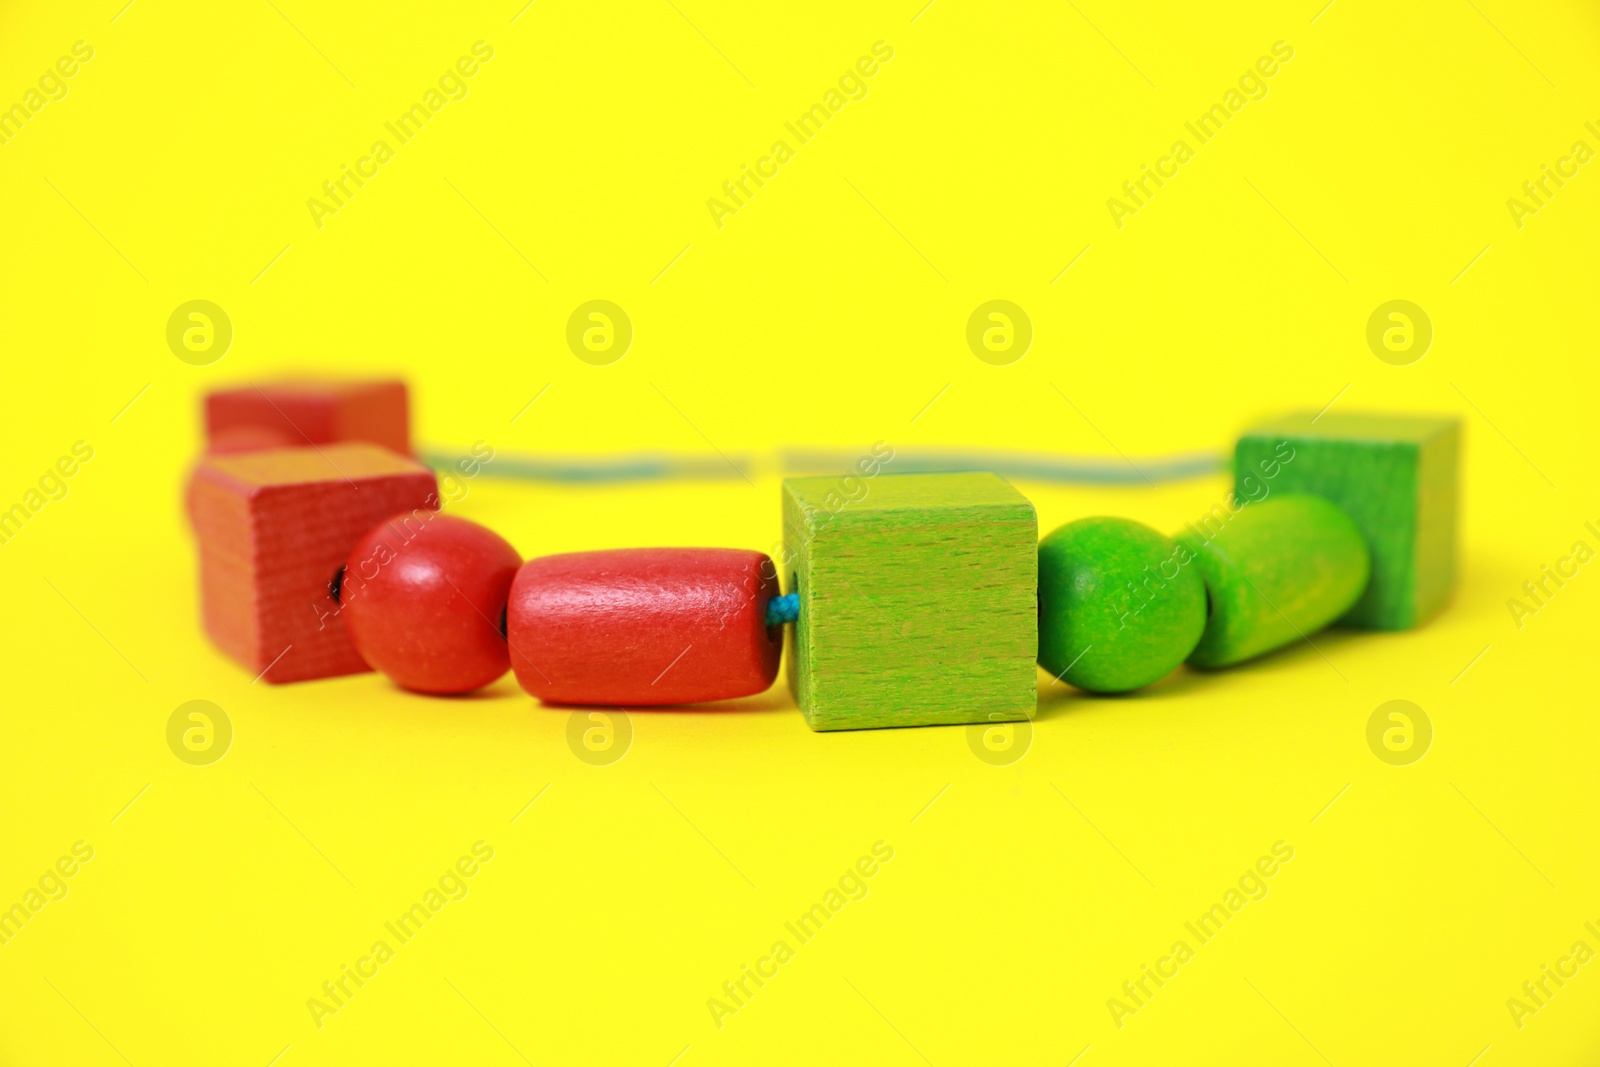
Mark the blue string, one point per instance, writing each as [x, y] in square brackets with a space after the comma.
[650, 467]
[782, 609]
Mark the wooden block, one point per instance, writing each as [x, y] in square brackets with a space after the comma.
[292, 414]
[918, 599]
[1275, 572]
[274, 527]
[1394, 475]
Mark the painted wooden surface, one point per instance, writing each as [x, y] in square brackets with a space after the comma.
[644, 626]
[274, 527]
[292, 414]
[423, 598]
[1117, 607]
[917, 599]
[1276, 571]
[1396, 476]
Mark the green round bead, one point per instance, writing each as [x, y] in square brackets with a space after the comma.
[1117, 609]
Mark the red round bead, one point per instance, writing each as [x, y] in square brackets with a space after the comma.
[642, 626]
[423, 598]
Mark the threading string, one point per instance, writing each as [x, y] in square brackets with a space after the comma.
[782, 609]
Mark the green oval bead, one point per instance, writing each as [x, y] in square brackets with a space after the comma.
[1274, 571]
[1110, 616]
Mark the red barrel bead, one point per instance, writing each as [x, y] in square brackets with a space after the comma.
[642, 626]
[423, 598]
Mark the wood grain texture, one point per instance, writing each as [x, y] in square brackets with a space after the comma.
[1276, 572]
[296, 413]
[1395, 476]
[273, 529]
[917, 599]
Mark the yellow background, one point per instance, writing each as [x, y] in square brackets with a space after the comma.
[829, 311]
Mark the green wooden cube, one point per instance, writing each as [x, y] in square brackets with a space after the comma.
[1395, 475]
[918, 599]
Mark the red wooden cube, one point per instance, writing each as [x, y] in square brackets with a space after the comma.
[274, 527]
[291, 414]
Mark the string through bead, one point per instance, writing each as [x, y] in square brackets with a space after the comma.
[782, 609]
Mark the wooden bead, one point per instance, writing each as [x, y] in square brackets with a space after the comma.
[917, 599]
[1394, 475]
[1274, 572]
[274, 528]
[423, 597]
[644, 626]
[293, 414]
[1117, 610]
